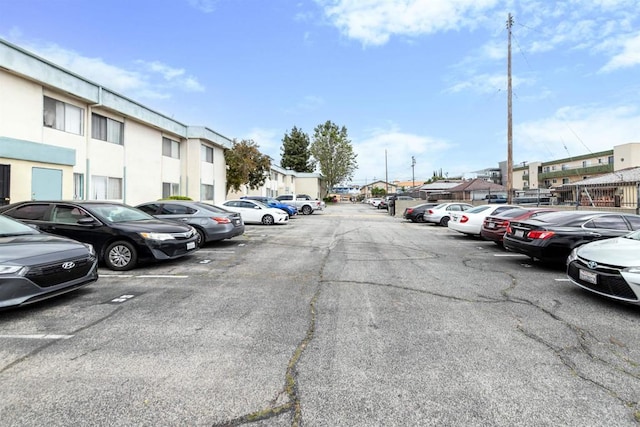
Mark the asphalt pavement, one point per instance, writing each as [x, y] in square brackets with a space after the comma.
[347, 317]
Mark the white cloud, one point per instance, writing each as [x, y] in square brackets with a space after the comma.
[628, 56]
[206, 6]
[373, 22]
[145, 80]
[574, 131]
[400, 147]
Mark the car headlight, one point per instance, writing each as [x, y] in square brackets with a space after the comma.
[18, 270]
[632, 270]
[572, 256]
[156, 236]
[90, 248]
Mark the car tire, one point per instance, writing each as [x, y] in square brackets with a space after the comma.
[202, 238]
[444, 221]
[306, 210]
[420, 218]
[120, 256]
[267, 220]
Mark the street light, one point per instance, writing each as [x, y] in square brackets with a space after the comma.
[413, 172]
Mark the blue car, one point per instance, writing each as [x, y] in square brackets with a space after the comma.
[274, 203]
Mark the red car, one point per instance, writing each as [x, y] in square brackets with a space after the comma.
[494, 227]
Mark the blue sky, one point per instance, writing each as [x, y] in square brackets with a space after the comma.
[421, 78]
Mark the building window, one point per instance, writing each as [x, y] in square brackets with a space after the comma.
[565, 180]
[62, 116]
[78, 186]
[206, 192]
[600, 161]
[610, 160]
[206, 153]
[106, 129]
[553, 167]
[106, 188]
[565, 167]
[170, 148]
[170, 189]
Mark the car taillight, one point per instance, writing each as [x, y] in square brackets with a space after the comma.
[540, 234]
[464, 218]
[430, 212]
[504, 224]
[508, 229]
[221, 220]
[409, 210]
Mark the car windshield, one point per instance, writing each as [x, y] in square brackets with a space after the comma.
[118, 213]
[212, 208]
[10, 227]
[635, 235]
[477, 209]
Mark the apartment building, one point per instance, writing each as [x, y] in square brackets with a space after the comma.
[65, 137]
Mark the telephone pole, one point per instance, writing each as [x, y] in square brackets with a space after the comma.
[509, 118]
[413, 172]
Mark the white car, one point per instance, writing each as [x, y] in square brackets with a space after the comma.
[375, 201]
[609, 267]
[254, 212]
[440, 214]
[470, 221]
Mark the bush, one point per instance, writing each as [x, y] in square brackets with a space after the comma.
[177, 198]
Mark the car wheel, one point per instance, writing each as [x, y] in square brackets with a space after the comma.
[420, 218]
[202, 238]
[444, 221]
[306, 210]
[120, 256]
[267, 220]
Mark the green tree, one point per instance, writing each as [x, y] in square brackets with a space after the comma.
[246, 165]
[295, 151]
[332, 149]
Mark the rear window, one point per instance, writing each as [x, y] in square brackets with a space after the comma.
[35, 212]
[611, 222]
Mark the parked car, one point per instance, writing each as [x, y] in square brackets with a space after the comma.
[254, 212]
[415, 213]
[610, 267]
[303, 202]
[274, 203]
[213, 223]
[551, 237]
[35, 266]
[495, 198]
[120, 234]
[470, 221]
[440, 214]
[375, 201]
[494, 226]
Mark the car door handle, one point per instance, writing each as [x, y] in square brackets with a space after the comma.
[594, 234]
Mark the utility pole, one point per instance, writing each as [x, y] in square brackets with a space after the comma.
[386, 172]
[413, 172]
[509, 117]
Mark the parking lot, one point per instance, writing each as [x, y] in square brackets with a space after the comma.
[347, 317]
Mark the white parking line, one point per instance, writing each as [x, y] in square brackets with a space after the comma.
[161, 276]
[38, 337]
[508, 255]
[562, 280]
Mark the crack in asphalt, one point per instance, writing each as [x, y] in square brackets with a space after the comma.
[564, 354]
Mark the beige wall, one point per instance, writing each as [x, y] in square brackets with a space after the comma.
[20, 188]
[21, 108]
[626, 156]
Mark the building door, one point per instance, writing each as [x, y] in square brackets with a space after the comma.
[46, 184]
[5, 184]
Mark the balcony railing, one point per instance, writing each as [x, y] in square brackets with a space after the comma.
[577, 171]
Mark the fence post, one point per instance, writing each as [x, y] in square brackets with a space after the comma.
[578, 196]
[638, 198]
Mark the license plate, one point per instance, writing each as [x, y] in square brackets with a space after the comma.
[518, 233]
[491, 225]
[191, 245]
[588, 276]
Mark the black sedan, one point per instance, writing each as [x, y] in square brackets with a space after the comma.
[551, 237]
[35, 266]
[212, 223]
[415, 213]
[120, 234]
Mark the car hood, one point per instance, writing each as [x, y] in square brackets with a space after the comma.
[615, 251]
[152, 225]
[38, 248]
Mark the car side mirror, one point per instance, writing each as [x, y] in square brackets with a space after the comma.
[87, 221]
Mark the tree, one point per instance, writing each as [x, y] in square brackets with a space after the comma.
[333, 151]
[246, 165]
[295, 151]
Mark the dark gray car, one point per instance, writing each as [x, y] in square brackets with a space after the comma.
[213, 223]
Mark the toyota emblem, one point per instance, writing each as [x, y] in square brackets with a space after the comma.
[68, 265]
[592, 265]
